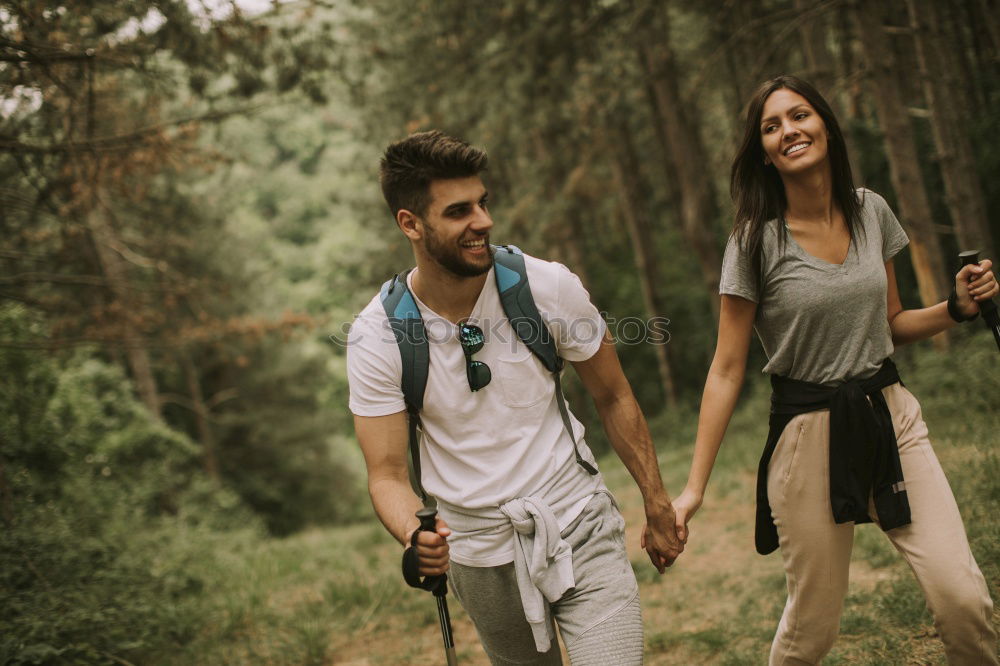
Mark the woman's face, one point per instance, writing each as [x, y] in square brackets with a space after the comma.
[793, 135]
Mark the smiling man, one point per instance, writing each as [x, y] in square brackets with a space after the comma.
[528, 532]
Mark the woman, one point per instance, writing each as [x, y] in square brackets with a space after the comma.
[809, 266]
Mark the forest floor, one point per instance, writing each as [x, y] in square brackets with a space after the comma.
[719, 604]
[335, 596]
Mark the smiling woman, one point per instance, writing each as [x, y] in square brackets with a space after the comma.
[785, 113]
[809, 267]
[793, 133]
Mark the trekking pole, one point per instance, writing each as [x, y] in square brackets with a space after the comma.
[988, 308]
[428, 521]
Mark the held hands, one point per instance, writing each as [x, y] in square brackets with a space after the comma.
[685, 506]
[432, 548]
[975, 283]
[659, 537]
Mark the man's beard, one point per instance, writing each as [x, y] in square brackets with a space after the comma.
[450, 257]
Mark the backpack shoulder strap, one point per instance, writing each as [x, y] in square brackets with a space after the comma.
[411, 338]
[519, 306]
[522, 313]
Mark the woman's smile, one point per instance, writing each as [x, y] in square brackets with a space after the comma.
[793, 134]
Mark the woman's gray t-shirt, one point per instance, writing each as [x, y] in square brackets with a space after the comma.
[821, 322]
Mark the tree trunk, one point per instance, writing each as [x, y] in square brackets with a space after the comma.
[114, 272]
[727, 35]
[698, 212]
[989, 10]
[671, 182]
[846, 67]
[956, 159]
[964, 27]
[821, 69]
[816, 57]
[206, 438]
[572, 251]
[562, 234]
[625, 167]
[6, 497]
[904, 164]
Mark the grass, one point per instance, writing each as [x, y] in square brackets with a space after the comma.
[335, 596]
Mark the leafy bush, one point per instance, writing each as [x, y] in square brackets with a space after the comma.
[106, 514]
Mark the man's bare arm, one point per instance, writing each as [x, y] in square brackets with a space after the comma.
[629, 435]
[383, 441]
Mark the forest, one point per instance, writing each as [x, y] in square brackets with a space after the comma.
[190, 219]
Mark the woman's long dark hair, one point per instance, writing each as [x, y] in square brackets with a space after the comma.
[756, 188]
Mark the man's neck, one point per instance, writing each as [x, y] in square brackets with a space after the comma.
[449, 295]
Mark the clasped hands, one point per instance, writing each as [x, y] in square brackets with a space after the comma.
[664, 534]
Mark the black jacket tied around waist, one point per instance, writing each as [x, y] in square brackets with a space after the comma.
[864, 457]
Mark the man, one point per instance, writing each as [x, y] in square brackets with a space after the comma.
[525, 532]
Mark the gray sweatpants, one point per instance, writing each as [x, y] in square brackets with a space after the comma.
[599, 619]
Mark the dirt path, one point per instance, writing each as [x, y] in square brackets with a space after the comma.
[719, 604]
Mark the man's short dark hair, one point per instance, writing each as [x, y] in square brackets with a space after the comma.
[409, 166]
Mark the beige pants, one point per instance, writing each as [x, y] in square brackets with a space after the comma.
[816, 551]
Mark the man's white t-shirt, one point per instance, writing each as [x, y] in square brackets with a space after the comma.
[482, 449]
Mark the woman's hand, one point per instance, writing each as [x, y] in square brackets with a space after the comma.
[975, 283]
[659, 538]
[685, 506]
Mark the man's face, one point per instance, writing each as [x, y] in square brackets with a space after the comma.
[457, 226]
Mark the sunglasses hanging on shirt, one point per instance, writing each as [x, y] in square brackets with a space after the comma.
[472, 339]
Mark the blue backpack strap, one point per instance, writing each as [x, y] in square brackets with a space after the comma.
[411, 339]
[519, 306]
[524, 318]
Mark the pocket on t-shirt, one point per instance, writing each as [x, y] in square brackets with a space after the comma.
[523, 380]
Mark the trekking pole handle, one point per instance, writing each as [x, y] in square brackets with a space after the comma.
[428, 523]
[428, 519]
[969, 257]
[972, 257]
[988, 308]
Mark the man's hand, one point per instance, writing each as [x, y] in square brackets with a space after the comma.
[432, 549]
[685, 506]
[659, 537]
[622, 418]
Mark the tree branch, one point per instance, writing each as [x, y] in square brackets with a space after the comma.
[56, 278]
[748, 28]
[121, 141]
[45, 54]
[63, 343]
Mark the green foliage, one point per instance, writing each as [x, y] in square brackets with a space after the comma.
[119, 244]
[105, 512]
[246, 239]
[872, 546]
[902, 602]
[276, 446]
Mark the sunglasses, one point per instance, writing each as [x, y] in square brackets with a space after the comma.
[472, 340]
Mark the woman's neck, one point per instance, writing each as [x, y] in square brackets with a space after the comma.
[809, 196]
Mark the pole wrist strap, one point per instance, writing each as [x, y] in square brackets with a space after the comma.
[953, 310]
[411, 569]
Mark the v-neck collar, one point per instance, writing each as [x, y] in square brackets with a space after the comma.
[813, 260]
[477, 309]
